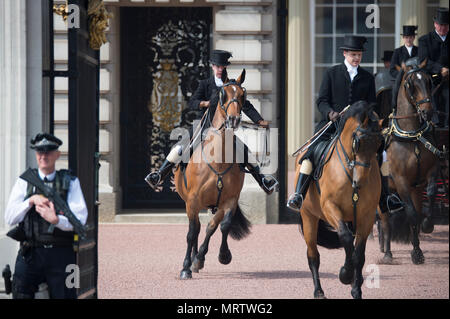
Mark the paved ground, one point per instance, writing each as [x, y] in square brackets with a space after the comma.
[144, 261]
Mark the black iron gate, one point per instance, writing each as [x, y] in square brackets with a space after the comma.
[83, 109]
[164, 53]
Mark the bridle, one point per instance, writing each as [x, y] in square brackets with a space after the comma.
[408, 85]
[352, 163]
[222, 100]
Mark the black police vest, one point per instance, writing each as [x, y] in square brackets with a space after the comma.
[37, 229]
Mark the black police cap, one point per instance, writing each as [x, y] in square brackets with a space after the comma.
[45, 142]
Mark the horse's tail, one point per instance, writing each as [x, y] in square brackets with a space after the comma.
[400, 227]
[240, 225]
[327, 237]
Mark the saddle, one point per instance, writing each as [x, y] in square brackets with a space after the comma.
[318, 155]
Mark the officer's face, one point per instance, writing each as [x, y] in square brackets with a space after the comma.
[218, 69]
[409, 40]
[46, 160]
[442, 29]
[353, 57]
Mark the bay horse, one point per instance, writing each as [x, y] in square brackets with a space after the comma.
[412, 159]
[348, 191]
[209, 181]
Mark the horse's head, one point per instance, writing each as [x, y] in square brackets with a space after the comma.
[417, 85]
[360, 129]
[232, 96]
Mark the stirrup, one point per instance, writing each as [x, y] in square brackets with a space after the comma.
[398, 205]
[149, 181]
[269, 189]
[291, 201]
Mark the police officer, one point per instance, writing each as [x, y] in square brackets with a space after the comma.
[401, 55]
[342, 85]
[434, 47]
[206, 98]
[45, 253]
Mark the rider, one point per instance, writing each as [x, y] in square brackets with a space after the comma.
[401, 55]
[342, 85]
[434, 47]
[206, 98]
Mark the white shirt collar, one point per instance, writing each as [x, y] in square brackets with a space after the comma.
[352, 70]
[50, 177]
[409, 49]
[440, 36]
[218, 81]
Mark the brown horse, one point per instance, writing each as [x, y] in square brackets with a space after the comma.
[347, 192]
[211, 181]
[412, 159]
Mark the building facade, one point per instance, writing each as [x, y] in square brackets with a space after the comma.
[157, 50]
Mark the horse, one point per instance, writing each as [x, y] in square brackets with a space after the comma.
[339, 207]
[211, 182]
[412, 159]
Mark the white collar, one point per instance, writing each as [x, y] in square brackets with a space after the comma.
[351, 68]
[218, 81]
[440, 36]
[50, 177]
[409, 49]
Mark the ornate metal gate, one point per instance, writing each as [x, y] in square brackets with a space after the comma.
[164, 54]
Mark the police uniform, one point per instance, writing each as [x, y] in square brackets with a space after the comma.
[342, 85]
[207, 90]
[45, 251]
[434, 48]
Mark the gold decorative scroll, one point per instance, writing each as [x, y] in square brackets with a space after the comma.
[61, 10]
[98, 22]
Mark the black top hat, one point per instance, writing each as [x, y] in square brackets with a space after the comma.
[409, 30]
[353, 43]
[220, 57]
[387, 55]
[441, 16]
[44, 142]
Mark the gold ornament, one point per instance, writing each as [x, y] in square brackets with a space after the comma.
[98, 22]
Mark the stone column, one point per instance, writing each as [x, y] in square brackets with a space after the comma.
[299, 109]
[414, 12]
[13, 110]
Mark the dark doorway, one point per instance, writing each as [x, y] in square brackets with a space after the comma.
[164, 53]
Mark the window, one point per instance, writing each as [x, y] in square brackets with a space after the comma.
[333, 19]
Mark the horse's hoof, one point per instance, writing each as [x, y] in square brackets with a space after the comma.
[319, 294]
[225, 258]
[356, 293]
[185, 274]
[417, 257]
[427, 225]
[197, 265]
[387, 258]
[346, 275]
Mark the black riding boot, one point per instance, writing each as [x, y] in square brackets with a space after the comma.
[267, 182]
[155, 178]
[295, 202]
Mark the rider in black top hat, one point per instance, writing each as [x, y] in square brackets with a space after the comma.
[342, 85]
[206, 98]
[402, 54]
[434, 47]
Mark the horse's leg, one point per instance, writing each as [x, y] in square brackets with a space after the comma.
[310, 226]
[416, 254]
[195, 243]
[199, 260]
[191, 238]
[346, 238]
[225, 226]
[359, 259]
[428, 223]
[385, 234]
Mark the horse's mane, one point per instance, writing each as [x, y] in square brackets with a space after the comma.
[360, 110]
